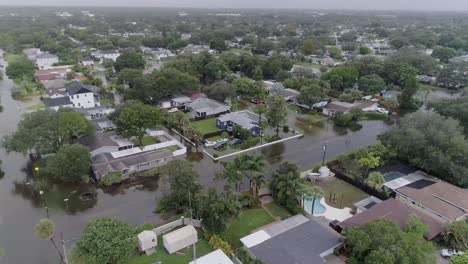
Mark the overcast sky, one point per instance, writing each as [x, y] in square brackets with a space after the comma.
[442, 5]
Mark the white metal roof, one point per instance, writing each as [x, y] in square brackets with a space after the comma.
[215, 257]
[180, 233]
[255, 238]
[125, 152]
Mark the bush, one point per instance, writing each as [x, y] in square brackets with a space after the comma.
[218, 243]
[241, 133]
[111, 178]
[343, 119]
[225, 134]
[250, 143]
[376, 116]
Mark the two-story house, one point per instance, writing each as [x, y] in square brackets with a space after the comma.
[83, 95]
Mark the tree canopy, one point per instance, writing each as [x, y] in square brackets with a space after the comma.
[433, 143]
[383, 242]
[106, 240]
[72, 163]
[129, 60]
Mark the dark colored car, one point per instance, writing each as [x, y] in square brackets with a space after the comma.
[220, 145]
[236, 142]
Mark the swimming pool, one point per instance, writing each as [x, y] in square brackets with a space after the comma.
[318, 207]
[392, 175]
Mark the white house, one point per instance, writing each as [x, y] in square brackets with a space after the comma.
[106, 54]
[87, 61]
[46, 60]
[82, 95]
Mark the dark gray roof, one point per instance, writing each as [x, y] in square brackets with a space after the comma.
[46, 56]
[77, 87]
[301, 245]
[105, 162]
[59, 101]
[98, 140]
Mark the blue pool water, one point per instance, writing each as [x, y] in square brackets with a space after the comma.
[390, 176]
[318, 207]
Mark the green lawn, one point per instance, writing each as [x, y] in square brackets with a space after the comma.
[37, 106]
[149, 140]
[277, 210]
[161, 255]
[15, 57]
[206, 126]
[342, 193]
[243, 225]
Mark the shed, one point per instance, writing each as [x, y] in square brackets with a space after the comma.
[180, 238]
[215, 257]
[147, 242]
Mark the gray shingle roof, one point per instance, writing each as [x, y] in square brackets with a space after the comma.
[244, 119]
[303, 244]
[77, 87]
[59, 101]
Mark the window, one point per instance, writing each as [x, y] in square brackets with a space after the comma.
[152, 240]
[77, 96]
[79, 104]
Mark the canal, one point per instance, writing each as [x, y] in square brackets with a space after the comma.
[21, 205]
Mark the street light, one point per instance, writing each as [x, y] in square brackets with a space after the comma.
[66, 204]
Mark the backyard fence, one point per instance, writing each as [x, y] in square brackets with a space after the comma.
[379, 194]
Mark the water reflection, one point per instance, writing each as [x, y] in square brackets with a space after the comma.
[310, 127]
[273, 153]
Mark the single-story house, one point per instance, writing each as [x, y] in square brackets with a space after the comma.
[205, 107]
[215, 257]
[397, 212]
[58, 102]
[180, 238]
[335, 107]
[87, 61]
[44, 75]
[54, 88]
[129, 161]
[440, 199]
[97, 112]
[297, 240]
[432, 80]
[245, 119]
[180, 101]
[46, 60]
[390, 95]
[107, 142]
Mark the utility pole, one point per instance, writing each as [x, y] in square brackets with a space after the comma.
[194, 247]
[65, 258]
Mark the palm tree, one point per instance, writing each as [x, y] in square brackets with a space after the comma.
[251, 166]
[256, 182]
[376, 180]
[232, 174]
[45, 229]
[314, 193]
[287, 187]
[195, 135]
[180, 120]
[260, 109]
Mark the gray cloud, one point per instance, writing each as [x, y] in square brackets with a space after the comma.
[435, 5]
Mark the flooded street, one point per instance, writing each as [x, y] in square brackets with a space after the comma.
[21, 205]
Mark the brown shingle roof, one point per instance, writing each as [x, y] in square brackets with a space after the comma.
[443, 198]
[398, 212]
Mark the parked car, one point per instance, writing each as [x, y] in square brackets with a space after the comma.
[447, 253]
[173, 110]
[257, 101]
[209, 143]
[236, 142]
[222, 140]
[220, 145]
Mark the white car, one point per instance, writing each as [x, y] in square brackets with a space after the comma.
[222, 140]
[447, 253]
[210, 143]
[382, 110]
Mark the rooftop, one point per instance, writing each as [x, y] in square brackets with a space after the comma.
[206, 105]
[300, 241]
[59, 101]
[46, 56]
[398, 212]
[76, 87]
[367, 203]
[245, 119]
[215, 257]
[99, 140]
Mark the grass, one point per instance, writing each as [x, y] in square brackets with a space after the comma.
[149, 140]
[434, 88]
[172, 148]
[339, 193]
[277, 210]
[37, 106]
[161, 255]
[206, 126]
[316, 117]
[243, 225]
[15, 57]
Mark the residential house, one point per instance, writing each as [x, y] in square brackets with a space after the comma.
[366, 204]
[215, 257]
[427, 79]
[205, 107]
[390, 95]
[180, 101]
[87, 61]
[120, 162]
[386, 52]
[459, 59]
[97, 112]
[55, 88]
[441, 200]
[58, 102]
[195, 49]
[289, 95]
[332, 108]
[32, 53]
[315, 59]
[396, 211]
[83, 95]
[297, 240]
[46, 60]
[106, 54]
[106, 142]
[245, 119]
[53, 73]
[159, 53]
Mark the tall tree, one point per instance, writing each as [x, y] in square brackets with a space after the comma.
[134, 119]
[277, 112]
[260, 109]
[443, 54]
[73, 125]
[308, 47]
[376, 180]
[106, 240]
[287, 186]
[457, 235]
[45, 229]
[311, 94]
[129, 60]
[72, 163]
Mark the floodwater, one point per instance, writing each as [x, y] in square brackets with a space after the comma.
[21, 205]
